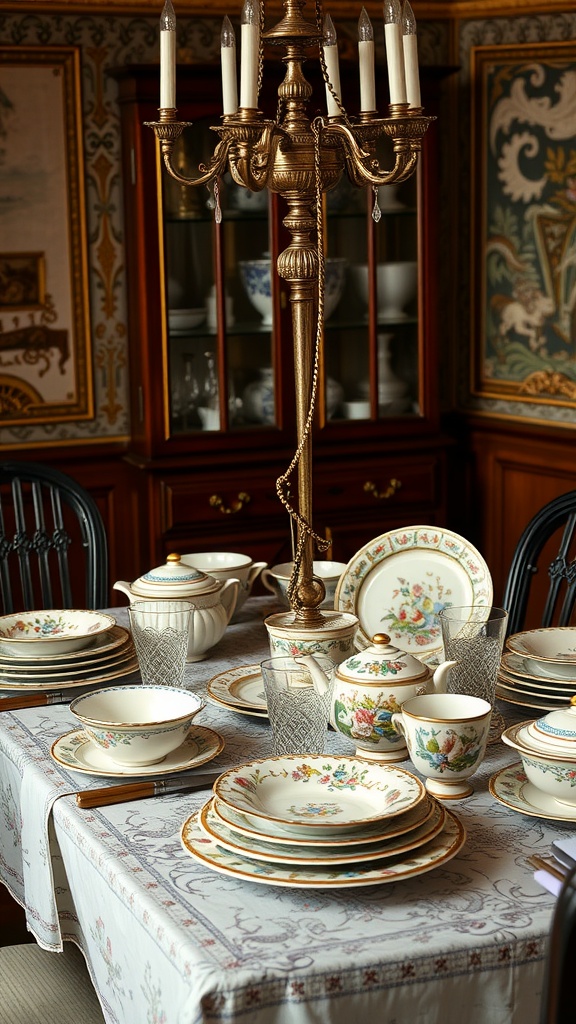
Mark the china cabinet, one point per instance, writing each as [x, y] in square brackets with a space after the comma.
[212, 376]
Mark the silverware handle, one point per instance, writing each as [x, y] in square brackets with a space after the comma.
[34, 700]
[115, 794]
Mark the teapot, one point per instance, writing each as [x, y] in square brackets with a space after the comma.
[371, 686]
[213, 601]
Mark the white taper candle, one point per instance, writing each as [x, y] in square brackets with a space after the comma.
[366, 62]
[167, 56]
[228, 58]
[330, 48]
[410, 42]
[394, 50]
[249, 53]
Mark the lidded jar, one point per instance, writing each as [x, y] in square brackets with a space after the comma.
[370, 687]
[213, 600]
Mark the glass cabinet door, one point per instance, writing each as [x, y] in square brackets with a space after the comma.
[221, 296]
[371, 336]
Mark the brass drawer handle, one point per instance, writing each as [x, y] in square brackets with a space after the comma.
[393, 486]
[236, 506]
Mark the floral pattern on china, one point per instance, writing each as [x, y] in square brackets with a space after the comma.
[416, 610]
[51, 631]
[299, 791]
[362, 718]
[401, 580]
[452, 753]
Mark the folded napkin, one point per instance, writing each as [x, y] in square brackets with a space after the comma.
[564, 851]
[548, 881]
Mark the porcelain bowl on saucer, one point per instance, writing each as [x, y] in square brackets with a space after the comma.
[547, 747]
[137, 725]
[42, 634]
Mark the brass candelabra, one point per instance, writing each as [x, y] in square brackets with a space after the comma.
[301, 158]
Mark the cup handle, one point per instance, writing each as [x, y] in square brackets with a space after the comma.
[255, 571]
[229, 597]
[265, 577]
[398, 723]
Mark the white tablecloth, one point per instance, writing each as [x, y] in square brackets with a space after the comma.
[169, 941]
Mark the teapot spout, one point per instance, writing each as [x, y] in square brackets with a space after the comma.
[440, 677]
[319, 678]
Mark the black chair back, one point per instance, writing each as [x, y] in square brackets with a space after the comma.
[560, 512]
[53, 547]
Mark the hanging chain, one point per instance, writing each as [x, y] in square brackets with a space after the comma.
[282, 484]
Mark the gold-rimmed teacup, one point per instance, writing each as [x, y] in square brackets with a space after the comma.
[446, 735]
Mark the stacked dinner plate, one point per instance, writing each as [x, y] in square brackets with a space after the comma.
[241, 690]
[59, 649]
[538, 668]
[321, 821]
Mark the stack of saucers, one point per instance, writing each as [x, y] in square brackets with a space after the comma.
[321, 821]
[55, 649]
[538, 668]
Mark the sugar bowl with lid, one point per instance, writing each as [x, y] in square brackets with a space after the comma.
[369, 687]
[547, 747]
[213, 600]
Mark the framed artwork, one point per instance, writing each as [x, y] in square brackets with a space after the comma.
[45, 351]
[524, 224]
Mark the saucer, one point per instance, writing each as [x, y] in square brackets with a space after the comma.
[237, 822]
[56, 682]
[77, 753]
[240, 688]
[511, 787]
[438, 851]
[322, 853]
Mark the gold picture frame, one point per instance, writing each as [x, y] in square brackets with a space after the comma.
[45, 344]
[523, 270]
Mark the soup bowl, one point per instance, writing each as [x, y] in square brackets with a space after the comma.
[137, 725]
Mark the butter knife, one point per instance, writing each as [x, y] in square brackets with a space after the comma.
[33, 700]
[138, 790]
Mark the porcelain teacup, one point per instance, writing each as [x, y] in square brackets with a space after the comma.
[277, 578]
[446, 735]
[228, 565]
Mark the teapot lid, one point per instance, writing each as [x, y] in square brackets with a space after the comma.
[174, 579]
[555, 732]
[382, 661]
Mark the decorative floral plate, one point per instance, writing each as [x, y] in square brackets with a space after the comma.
[319, 794]
[375, 832]
[523, 700]
[550, 650]
[544, 689]
[56, 681]
[77, 753]
[322, 853]
[240, 689]
[433, 854]
[41, 634]
[524, 668]
[511, 787]
[399, 582]
[28, 674]
[103, 645]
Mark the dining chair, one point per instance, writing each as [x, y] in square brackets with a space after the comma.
[39, 987]
[52, 541]
[557, 1005]
[558, 513]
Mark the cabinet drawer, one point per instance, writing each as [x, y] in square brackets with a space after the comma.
[391, 484]
[187, 501]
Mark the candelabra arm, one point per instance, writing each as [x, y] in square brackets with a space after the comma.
[362, 166]
[168, 130]
[252, 161]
